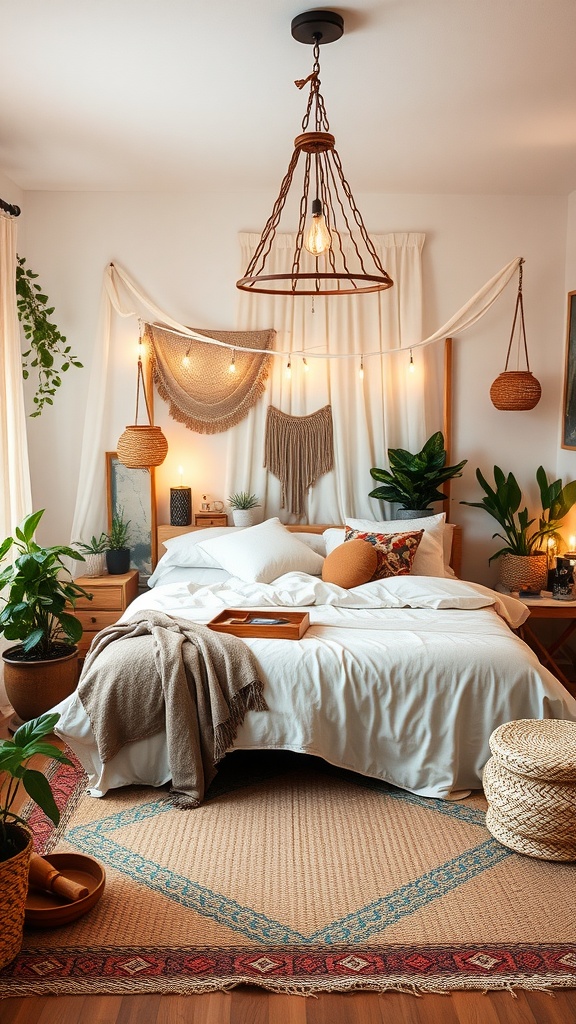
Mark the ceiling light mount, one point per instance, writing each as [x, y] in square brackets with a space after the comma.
[333, 253]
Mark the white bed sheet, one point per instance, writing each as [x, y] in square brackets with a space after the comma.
[401, 680]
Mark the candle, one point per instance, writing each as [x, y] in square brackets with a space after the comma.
[180, 476]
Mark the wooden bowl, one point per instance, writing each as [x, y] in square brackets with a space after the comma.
[46, 910]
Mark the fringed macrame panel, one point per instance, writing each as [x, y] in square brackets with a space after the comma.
[298, 450]
[204, 395]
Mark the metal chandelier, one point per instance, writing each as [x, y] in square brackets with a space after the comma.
[333, 253]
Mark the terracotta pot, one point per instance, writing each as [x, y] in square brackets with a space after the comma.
[526, 573]
[13, 892]
[34, 687]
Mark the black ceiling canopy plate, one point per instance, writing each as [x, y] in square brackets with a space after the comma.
[321, 26]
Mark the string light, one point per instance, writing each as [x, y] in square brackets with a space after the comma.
[361, 370]
[140, 340]
[305, 364]
[232, 367]
[289, 368]
[186, 359]
[411, 366]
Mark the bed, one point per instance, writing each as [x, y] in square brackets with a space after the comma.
[401, 678]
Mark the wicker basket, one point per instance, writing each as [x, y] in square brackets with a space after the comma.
[528, 573]
[515, 390]
[142, 446]
[13, 892]
[530, 785]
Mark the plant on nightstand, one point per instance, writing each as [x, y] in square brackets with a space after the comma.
[523, 560]
[243, 504]
[118, 551]
[42, 668]
[15, 837]
[95, 555]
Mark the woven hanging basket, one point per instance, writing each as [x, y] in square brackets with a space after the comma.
[142, 446]
[515, 389]
[13, 892]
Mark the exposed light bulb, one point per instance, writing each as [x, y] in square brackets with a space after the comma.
[186, 359]
[232, 367]
[317, 238]
[411, 366]
[361, 370]
[181, 475]
[305, 364]
[289, 369]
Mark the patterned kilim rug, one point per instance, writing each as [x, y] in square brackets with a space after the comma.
[301, 878]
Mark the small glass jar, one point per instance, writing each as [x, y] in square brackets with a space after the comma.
[563, 584]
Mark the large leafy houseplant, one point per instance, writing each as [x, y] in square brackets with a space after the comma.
[502, 501]
[15, 757]
[413, 479]
[40, 593]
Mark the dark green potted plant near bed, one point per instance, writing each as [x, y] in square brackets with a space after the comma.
[15, 836]
[117, 549]
[38, 597]
[523, 559]
[414, 479]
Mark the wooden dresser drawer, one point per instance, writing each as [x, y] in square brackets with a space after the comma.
[96, 619]
[110, 593]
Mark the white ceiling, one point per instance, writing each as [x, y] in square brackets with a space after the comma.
[429, 96]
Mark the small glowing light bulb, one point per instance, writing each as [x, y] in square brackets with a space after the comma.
[305, 365]
[186, 359]
[232, 367]
[411, 363]
[361, 370]
[317, 238]
[181, 475]
[289, 369]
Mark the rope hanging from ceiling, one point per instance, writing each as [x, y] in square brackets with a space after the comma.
[196, 381]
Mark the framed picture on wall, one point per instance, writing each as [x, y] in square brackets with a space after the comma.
[569, 409]
[133, 492]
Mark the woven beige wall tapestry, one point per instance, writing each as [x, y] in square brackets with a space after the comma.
[298, 450]
[195, 380]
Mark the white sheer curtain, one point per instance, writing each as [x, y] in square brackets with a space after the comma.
[15, 490]
[389, 407]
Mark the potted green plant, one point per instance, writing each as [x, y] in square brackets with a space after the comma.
[95, 555]
[243, 504]
[523, 559]
[15, 836]
[413, 479]
[42, 668]
[117, 549]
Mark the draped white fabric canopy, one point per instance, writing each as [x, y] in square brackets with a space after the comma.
[388, 408]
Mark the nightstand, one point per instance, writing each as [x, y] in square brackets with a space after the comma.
[111, 597]
[544, 606]
[210, 519]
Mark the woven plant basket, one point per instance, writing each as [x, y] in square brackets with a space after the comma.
[528, 573]
[142, 446]
[13, 892]
[515, 390]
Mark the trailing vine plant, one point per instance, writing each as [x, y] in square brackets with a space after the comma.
[48, 355]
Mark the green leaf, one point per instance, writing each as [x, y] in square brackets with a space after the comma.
[37, 786]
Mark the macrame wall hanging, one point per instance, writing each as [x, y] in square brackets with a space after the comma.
[298, 450]
[516, 389]
[196, 379]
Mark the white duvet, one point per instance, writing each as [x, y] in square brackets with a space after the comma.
[403, 679]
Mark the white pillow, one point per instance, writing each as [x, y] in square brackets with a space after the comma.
[430, 556]
[184, 549]
[259, 554]
[186, 574]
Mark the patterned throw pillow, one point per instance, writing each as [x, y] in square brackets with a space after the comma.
[395, 551]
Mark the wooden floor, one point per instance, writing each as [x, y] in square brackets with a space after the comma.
[246, 1005]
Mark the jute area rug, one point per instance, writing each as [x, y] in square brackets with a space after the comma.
[301, 878]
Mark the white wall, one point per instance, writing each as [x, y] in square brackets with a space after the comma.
[183, 251]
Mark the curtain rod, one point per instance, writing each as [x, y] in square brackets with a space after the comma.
[14, 211]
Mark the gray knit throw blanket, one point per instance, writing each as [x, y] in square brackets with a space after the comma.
[298, 450]
[158, 672]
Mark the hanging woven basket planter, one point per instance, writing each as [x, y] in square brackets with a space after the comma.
[516, 389]
[141, 445]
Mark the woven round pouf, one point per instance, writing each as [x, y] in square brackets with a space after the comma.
[530, 786]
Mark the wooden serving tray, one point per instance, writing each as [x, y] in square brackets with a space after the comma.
[248, 622]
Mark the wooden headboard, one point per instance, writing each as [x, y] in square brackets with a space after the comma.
[166, 532]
